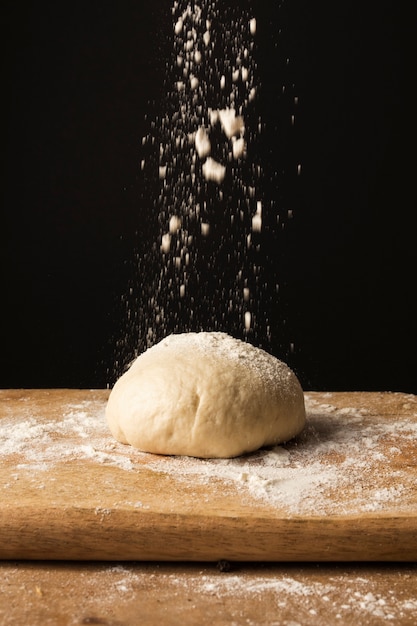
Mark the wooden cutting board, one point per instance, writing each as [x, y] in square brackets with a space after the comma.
[344, 490]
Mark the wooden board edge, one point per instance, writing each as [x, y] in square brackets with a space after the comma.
[121, 535]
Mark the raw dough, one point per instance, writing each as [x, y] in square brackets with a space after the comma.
[205, 395]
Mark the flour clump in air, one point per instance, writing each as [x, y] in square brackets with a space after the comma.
[205, 395]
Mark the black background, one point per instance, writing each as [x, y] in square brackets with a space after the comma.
[79, 81]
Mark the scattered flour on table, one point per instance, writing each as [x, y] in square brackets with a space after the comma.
[341, 463]
[330, 457]
[42, 443]
[339, 595]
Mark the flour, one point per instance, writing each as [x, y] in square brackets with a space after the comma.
[205, 143]
[212, 170]
[331, 456]
[343, 463]
[40, 444]
[149, 593]
[345, 595]
[238, 148]
[232, 124]
[202, 143]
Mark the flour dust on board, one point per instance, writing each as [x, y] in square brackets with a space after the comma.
[205, 271]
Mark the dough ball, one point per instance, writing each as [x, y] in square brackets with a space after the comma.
[205, 395]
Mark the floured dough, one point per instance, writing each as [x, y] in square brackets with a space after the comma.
[205, 395]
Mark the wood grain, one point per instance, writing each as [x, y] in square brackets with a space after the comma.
[60, 506]
[79, 534]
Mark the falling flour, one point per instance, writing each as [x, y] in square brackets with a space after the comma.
[211, 187]
[214, 71]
